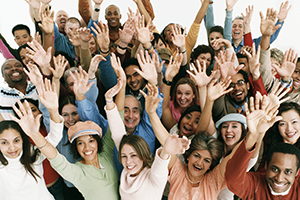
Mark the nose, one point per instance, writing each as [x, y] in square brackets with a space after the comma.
[289, 127]
[130, 114]
[229, 129]
[280, 176]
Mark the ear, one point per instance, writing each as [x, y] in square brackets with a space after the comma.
[120, 16]
[297, 173]
[105, 17]
[31, 38]
[248, 86]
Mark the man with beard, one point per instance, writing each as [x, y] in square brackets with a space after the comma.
[18, 87]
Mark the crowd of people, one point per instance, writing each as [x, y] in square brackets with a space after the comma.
[104, 110]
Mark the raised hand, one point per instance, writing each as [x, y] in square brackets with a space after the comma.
[288, 65]
[230, 4]
[148, 67]
[38, 38]
[60, 64]
[113, 91]
[38, 54]
[221, 42]
[81, 85]
[84, 34]
[261, 116]
[47, 17]
[267, 25]
[199, 75]
[34, 75]
[277, 94]
[75, 38]
[177, 37]
[102, 33]
[94, 66]
[253, 60]
[226, 64]
[158, 65]
[48, 96]
[215, 91]
[151, 100]
[27, 121]
[248, 18]
[176, 145]
[143, 32]
[127, 33]
[283, 11]
[173, 67]
[117, 66]
[35, 4]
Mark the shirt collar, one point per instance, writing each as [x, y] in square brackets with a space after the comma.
[280, 193]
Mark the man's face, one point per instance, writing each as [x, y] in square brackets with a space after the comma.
[281, 171]
[22, 37]
[237, 30]
[70, 28]
[134, 79]
[113, 16]
[60, 20]
[244, 61]
[12, 72]
[240, 89]
[131, 113]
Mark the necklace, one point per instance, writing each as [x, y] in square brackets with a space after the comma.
[190, 179]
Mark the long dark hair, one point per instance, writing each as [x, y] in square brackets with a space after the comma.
[27, 158]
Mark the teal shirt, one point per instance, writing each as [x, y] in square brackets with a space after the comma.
[93, 183]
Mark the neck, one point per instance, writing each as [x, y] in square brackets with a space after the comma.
[193, 179]
[236, 42]
[94, 162]
[21, 86]
[130, 131]
[114, 29]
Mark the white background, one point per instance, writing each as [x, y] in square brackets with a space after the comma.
[13, 12]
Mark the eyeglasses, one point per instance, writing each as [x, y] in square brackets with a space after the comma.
[239, 83]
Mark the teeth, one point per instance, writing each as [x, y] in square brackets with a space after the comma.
[16, 74]
[187, 128]
[130, 167]
[229, 136]
[279, 185]
[88, 153]
[199, 168]
[239, 93]
[130, 121]
[134, 84]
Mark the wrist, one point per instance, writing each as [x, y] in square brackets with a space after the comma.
[84, 45]
[286, 79]
[167, 81]
[80, 97]
[147, 46]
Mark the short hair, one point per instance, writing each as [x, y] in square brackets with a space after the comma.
[218, 29]
[73, 20]
[129, 62]
[192, 84]
[203, 142]
[140, 104]
[20, 27]
[5, 62]
[110, 6]
[67, 74]
[140, 146]
[200, 49]
[276, 54]
[238, 17]
[284, 148]
[75, 152]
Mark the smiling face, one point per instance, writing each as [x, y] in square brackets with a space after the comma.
[239, 93]
[60, 20]
[198, 163]
[237, 30]
[134, 80]
[159, 44]
[22, 37]
[112, 15]
[25, 59]
[130, 160]
[87, 147]
[92, 45]
[184, 95]
[204, 57]
[281, 171]
[11, 143]
[189, 123]
[70, 115]
[231, 133]
[131, 114]
[296, 78]
[12, 72]
[289, 126]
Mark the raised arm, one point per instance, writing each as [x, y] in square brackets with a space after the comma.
[85, 55]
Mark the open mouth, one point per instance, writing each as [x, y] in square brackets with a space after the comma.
[291, 134]
[15, 74]
[88, 153]
[13, 153]
[197, 168]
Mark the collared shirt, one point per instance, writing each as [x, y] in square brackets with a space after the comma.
[242, 107]
[62, 43]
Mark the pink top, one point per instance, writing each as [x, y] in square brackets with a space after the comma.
[176, 114]
[209, 187]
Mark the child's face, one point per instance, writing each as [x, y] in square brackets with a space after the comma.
[11, 143]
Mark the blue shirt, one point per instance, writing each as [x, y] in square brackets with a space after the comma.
[62, 43]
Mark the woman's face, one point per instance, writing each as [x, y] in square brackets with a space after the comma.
[92, 45]
[87, 147]
[11, 143]
[130, 160]
[70, 115]
[25, 59]
[189, 123]
[184, 95]
[204, 58]
[35, 110]
[231, 133]
[214, 36]
[289, 126]
[159, 44]
[198, 164]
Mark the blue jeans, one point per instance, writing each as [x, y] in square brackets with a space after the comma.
[57, 189]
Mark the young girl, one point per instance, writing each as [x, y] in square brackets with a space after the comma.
[21, 168]
[140, 179]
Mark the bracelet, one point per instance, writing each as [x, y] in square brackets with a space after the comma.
[109, 101]
[123, 48]
[169, 83]
[43, 145]
[104, 52]
[148, 48]
[97, 9]
[183, 51]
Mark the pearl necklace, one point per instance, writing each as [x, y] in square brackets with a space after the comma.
[190, 179]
